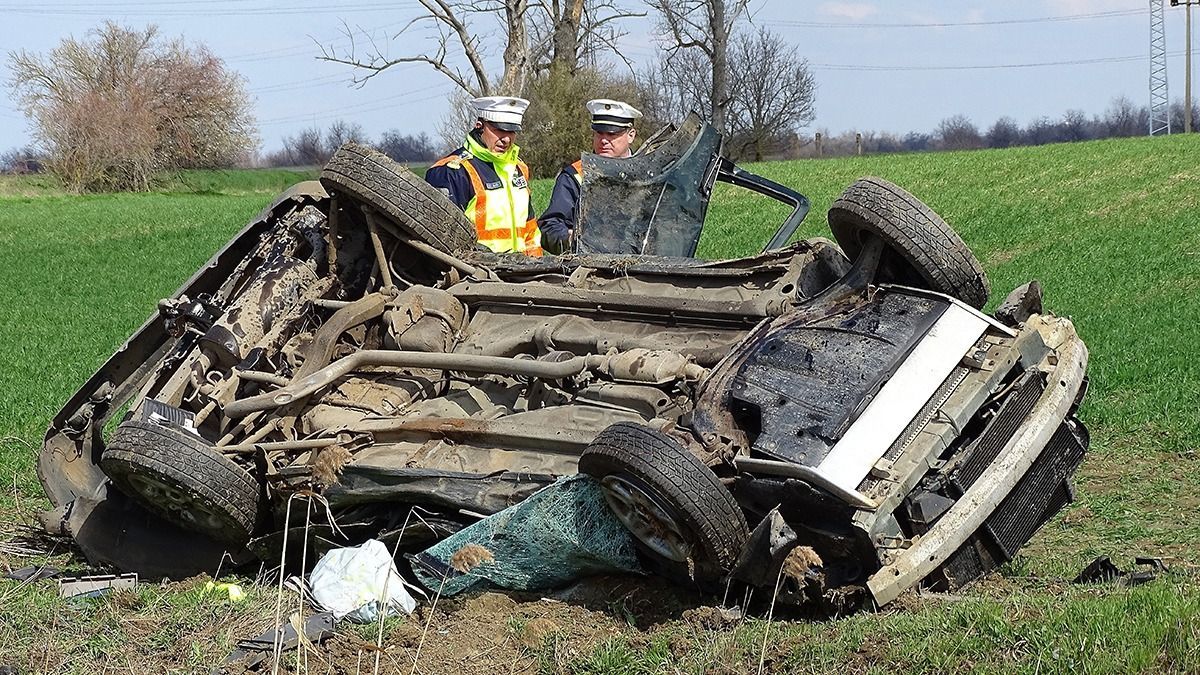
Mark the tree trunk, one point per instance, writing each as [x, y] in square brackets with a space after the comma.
[516, 52]
[720, 62]
[567, 18]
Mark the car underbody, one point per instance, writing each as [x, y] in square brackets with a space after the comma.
[848, 401]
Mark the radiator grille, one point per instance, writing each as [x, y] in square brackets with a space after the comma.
[993, 439]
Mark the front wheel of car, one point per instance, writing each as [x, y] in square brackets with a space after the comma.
[674, 505]
[178, 476]
[924, 250]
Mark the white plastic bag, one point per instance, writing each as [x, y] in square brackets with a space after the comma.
[350, 583]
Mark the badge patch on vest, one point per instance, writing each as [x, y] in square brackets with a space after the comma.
[519, 181]
[493, 186]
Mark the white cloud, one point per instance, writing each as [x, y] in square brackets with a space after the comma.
[847, 10]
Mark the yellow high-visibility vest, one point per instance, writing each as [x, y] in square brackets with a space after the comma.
[500, 210]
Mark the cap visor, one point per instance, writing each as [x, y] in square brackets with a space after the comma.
[505, 126]
[609, 128]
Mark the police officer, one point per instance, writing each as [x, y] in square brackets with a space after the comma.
[488, 181]
[612, 136]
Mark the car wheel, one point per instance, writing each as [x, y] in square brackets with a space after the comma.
[927, 251]
[669, 500]
[178, 476]
[418, 208]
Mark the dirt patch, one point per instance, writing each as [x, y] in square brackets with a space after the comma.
[501, 632]
[490, 632]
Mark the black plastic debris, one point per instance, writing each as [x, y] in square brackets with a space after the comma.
[763, 555]
[1103, 570]
[34, 573]
[253, 651]
[1023, 302]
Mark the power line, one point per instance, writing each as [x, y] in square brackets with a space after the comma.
[317, 81]
[372, 106]
[141, 10]
[298, 84]
[296, 49]
[993, 66]
[962, 24]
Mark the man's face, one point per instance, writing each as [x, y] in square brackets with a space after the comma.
[494, 139]
[614, 144]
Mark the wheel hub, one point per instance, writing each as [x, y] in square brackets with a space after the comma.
[648, 520]
[176, 504]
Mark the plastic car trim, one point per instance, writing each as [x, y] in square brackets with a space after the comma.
[902, 397]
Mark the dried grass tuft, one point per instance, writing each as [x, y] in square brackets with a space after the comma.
[469, 557]
[328, 464]
[800, 562]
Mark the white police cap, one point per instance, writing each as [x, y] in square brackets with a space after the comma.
[505, 112]
[612, 116]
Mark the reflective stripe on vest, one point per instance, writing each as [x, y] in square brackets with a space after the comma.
[498, 213]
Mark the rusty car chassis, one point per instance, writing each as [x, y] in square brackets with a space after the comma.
[349, 347]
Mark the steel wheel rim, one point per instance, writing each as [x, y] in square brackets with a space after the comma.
[646, 518]
[175, 503]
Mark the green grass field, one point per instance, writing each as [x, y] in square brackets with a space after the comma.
[1110, 228]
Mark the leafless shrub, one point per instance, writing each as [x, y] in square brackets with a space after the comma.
[115, 108]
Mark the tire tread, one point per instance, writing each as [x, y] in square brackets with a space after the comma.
[910, 227]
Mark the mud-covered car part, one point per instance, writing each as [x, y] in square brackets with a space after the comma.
[873, 435]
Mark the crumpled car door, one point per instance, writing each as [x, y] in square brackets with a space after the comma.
[652, 203]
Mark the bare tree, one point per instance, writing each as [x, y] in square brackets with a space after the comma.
[404, 147]
[113, 109]
[773, 95]
[1076, 127]
[1040, 131]
[342, 132]
[1004, 133]
[566, 33]
[22, 160]
[958, 133]
[456, 37]
[704, 26]
[672, 87]
[306, 148]
[1123, 118]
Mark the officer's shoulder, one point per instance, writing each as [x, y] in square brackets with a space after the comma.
[454, 160]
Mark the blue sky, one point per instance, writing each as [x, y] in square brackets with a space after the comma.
[879, 64]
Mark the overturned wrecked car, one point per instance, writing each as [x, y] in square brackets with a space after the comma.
[847, 400]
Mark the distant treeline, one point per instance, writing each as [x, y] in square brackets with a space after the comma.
[308, 147]
[313, 147]
[1122, 119]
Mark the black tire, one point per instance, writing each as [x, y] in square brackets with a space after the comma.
[677, 480]
[930, 252]
[373, 178]
[181, 478]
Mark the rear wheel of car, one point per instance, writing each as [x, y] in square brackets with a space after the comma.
[178, 476]
[374, 179]
[669, 500]
[925, 251]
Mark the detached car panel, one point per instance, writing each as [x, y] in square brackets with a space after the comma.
[854, 424]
